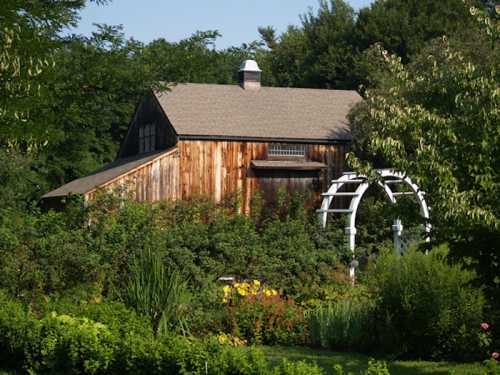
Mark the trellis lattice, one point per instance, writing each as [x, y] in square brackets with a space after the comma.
[360, 182]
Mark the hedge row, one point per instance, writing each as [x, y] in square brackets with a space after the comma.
[58, 343]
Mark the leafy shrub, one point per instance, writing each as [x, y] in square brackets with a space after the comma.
[113, 314]
[426, 307]
[63, 343]
[343, 324]
[206, 241]
[43, 253]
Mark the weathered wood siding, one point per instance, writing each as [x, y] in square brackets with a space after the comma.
[153, 181]
[221, 168]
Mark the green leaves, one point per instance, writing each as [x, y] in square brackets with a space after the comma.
[439, 122]
[28, 37]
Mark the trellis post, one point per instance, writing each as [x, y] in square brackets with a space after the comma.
[351, 235]
[397, 229]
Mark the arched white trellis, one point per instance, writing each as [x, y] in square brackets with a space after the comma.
[388, 177]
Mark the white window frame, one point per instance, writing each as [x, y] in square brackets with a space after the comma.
[289, 150]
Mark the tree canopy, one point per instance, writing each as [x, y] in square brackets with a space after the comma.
[438, 119]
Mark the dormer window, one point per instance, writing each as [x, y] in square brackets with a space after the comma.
[147, 138]
[286, 150]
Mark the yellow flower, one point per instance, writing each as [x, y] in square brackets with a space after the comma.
[222, 338]
[224, 300]
[267, 293]
[97, 299]
[227, 290]
[242, 291]
[256, 283]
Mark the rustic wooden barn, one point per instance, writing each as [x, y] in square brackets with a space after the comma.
[215, 140]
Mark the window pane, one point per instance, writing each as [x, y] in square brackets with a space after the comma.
[286, 149]
[153, 137]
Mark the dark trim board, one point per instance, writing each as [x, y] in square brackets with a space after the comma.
[288, 165]
[262, 139]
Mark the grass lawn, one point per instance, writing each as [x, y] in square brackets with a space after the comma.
[357, 362]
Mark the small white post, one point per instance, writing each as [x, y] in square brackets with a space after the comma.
[397, 229]
[351, 234]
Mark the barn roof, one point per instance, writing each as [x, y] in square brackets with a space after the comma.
[229, 111]
[105, 175]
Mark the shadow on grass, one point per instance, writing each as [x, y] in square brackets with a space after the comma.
[358, 363]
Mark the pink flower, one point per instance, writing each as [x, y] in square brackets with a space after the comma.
[495, 355]
[485, 326]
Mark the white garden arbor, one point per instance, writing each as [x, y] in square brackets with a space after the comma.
[359, 185]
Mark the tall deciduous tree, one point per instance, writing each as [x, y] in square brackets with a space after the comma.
[320, 53]
[28, 35]
[89, 101]
[404, 26]
[438, 120]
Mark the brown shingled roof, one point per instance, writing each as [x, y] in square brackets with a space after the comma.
[104, 175]
[270, 112]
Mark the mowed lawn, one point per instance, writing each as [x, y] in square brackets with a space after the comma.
[357, 362]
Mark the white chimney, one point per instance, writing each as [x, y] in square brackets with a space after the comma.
[249, 75]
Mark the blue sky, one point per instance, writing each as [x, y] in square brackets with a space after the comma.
[237, 20]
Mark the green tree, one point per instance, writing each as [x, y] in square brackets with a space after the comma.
[438, 120]
[28, 36]
[90, 99]
[404, 26]
[195, 59]
[320, 53]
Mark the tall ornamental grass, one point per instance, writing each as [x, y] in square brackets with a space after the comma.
[157, 292]
[341, 325]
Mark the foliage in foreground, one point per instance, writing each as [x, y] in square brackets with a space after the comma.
[44, 253]
[425, 307]
[345, 322]
[438, 119]
[70, 344]
[419, 306]
[354, 363]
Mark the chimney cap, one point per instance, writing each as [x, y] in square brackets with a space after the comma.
[249, 66]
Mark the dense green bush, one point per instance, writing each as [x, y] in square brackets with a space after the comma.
[45, 253]
[290, 253]
[63, 343]
[426, 307]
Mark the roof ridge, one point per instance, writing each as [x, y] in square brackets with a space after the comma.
[235, 85]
